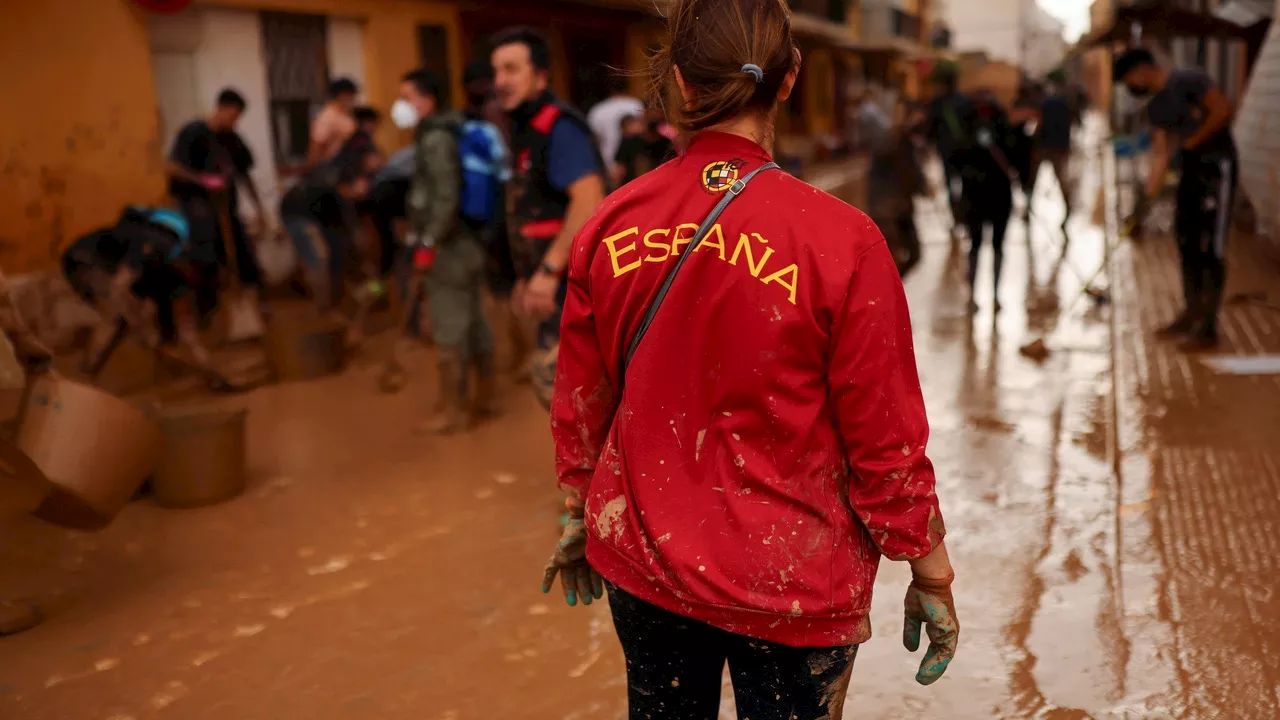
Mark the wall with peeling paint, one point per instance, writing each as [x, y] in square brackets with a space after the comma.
[79, 135]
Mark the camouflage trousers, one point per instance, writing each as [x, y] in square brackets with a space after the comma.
[455, 291]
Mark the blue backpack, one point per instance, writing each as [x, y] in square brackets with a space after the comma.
[483, 170]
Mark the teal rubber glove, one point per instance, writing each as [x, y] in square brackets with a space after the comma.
[579, 581]
[929, 603]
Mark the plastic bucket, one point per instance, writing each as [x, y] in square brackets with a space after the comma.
[95, 448]
[204, 457]
[305, 352]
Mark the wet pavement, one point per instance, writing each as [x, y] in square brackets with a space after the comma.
[1110, 516]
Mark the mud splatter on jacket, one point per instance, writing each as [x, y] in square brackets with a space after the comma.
[769, 445]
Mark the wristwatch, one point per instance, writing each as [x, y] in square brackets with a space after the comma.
[545, 267]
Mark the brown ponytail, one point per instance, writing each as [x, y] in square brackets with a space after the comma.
[710, 41]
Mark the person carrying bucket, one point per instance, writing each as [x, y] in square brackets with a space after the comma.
[738, 421]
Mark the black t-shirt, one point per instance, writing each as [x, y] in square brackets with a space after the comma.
[199, 148]
[949, 123]
[314, 199]
[1056, 119]
[994, 140]
[356, 148]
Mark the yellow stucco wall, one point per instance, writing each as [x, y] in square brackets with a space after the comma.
[81, 137]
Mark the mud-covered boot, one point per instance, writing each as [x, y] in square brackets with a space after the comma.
[451, 414]
[485, 403]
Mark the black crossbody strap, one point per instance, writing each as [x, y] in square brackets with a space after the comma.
[733, 192]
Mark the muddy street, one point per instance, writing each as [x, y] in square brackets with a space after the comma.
[372, 572]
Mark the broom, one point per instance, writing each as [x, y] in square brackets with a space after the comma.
[1099, 296]
[1038, 349]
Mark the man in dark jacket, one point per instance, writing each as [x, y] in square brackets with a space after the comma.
[559, 179]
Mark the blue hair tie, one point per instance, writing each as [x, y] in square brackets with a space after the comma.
[754, 71]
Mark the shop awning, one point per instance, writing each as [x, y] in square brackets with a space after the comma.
[827, 32]
[1153, 18]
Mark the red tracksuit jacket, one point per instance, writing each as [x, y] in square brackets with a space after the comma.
[769, 443]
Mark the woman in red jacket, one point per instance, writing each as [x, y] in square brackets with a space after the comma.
[737, 472]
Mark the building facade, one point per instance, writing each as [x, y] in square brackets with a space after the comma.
[102, 97]
[1018, 32]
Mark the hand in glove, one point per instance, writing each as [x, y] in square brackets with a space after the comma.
[569, 561]
[929, 602]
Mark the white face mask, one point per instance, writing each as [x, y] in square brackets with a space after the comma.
[404, 115]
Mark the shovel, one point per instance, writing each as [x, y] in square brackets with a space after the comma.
[242, 318]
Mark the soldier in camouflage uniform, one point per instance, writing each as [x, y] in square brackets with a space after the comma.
[448, 260]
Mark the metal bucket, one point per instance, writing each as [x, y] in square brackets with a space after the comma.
[95, 448]
[204, 458]
[305, 352]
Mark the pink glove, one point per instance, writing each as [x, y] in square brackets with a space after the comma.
[213, 181]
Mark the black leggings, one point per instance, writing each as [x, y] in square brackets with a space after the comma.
[988, 205]
[674, 666]
[385, 203]
[1202, 223]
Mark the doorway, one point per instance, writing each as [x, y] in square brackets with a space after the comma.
[176, 96]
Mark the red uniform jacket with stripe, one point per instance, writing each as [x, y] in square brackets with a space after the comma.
[768, 445]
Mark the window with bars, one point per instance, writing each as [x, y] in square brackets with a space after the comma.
[296, 48]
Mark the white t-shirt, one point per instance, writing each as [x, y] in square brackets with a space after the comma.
[605, 120]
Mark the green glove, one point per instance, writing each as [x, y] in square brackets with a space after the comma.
[929, 602]
[569, 561]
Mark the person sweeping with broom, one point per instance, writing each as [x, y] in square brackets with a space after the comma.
[737, 414]
[1187, 109]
